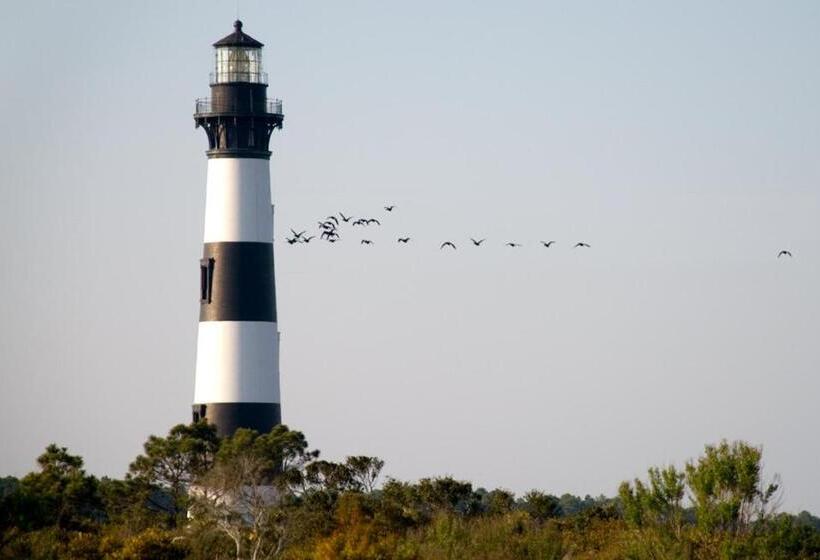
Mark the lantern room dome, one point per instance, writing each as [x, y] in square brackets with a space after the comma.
[238, 38]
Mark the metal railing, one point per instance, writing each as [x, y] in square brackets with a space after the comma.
[205, 105]
[224, 77]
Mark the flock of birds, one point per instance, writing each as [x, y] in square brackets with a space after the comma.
[329, 231]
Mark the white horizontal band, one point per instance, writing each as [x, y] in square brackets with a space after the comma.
[237, 361]
[238, 200]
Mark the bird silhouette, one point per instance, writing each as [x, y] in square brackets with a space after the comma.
[297, 235]
[403, 239]
[390, 208]
[291, 241]
[327, 225]
[447, 244]
[513, 244]
[307, 239]
[345, 219]
[366, 242]
[359, 222]
[547, 244]
[329, 235]
[582, 244]
[334, 218]
[784, 252]
[373, 221]
[477, 243]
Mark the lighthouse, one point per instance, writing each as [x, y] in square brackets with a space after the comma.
[237, 360]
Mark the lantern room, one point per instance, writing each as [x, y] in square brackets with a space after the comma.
[238, 59]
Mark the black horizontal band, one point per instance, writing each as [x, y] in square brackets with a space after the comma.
[228, 417]
[241, 284]
[238, 153]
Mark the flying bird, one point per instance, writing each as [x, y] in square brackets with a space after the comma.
[329, 235]
[366, 242]
[345, 219]
[334, 218]
[373, 221]
[291, 241]
[513, 244]
[403, 239]
[582, 244]
[359, 222]
[307, 239]
[784, 252]
[297, 235]
[547, 244]
[390, 208]
[478, 242]
[447, 244]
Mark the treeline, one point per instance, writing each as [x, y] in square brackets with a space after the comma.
[192, 495]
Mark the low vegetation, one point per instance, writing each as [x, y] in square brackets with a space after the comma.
[257, 496]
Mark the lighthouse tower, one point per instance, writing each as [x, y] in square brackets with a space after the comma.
[237, 362]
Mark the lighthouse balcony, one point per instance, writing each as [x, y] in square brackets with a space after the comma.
[208, 106]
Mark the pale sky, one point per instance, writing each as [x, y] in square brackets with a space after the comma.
[680, 140]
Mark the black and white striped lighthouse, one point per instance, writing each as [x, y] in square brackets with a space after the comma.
[237, 363]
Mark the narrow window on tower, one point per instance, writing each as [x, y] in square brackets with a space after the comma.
[206, 279]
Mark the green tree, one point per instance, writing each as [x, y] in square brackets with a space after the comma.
[499, 502]
[171, 464]
[657, 503]
[727, 490]
[571, 505]
[245, 494]
[61, 493]
[540, 506]
[448, 494]
[806, 519]
[400, 506]
[365, 471]
[330, 477]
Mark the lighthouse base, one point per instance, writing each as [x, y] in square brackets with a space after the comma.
[228, 417]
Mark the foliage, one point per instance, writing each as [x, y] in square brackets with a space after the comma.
[498, 502]
[241, 495]
[60, 494]
[657, 504]
[726, 487]
[171, 464]
[541, 506]
[191, 495]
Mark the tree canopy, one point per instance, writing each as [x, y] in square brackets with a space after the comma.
[192, 495]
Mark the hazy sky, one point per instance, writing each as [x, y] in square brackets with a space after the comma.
[682, 141]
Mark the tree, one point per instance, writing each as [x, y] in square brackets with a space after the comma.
[171, 464]
[331, 477]
[727, 490]
[541, 506]
[499, 502]
[365, 471]
[658, 503]
[447, 494]
[400, 506]
[245, 493]
[570, 505]
[60, 493]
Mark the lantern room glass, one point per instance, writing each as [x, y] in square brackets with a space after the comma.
[239, 64]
